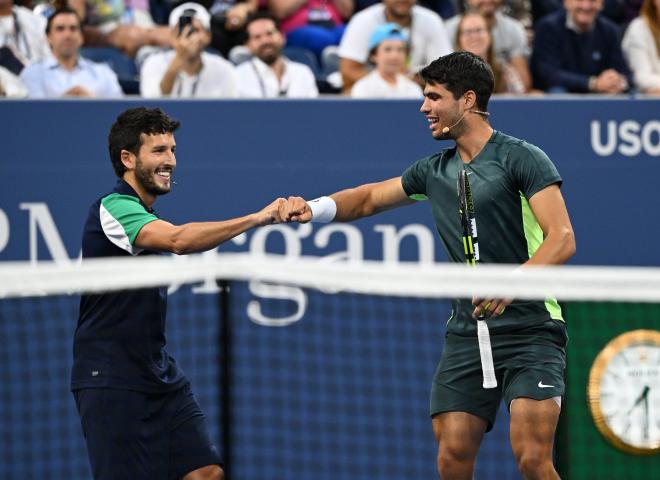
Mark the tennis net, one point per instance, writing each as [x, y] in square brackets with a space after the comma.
[305, 368]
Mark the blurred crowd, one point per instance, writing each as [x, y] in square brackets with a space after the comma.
[305, 48]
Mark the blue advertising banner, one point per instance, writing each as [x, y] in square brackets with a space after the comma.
[341, 391]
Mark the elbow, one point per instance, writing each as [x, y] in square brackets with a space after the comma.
[176, 250]
[568, 243]
[181, 247]
[177, 247]
[179, 243]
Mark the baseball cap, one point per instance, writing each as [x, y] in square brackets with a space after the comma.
[387, 31]
[191, 8]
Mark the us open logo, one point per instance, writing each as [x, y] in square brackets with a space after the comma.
[628, 138]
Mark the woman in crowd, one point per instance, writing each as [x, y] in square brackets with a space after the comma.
[641, 46]
[474, 36]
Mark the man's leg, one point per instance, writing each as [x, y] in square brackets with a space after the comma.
[459, 435]
[124, 439]
[192, 453]
[533, 425]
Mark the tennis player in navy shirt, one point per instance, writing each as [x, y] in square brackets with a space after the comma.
[139, 416]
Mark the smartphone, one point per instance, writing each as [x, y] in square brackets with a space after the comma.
[186, 19]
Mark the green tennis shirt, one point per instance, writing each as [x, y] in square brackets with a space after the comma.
[503, 177]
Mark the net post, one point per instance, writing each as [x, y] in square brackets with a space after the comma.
[224, 342]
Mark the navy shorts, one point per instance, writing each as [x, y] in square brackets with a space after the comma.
[139, 436]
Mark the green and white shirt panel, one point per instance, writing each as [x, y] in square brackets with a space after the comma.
[122, 218]
[503, 177]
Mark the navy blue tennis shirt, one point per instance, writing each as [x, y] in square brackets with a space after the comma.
[120, 338]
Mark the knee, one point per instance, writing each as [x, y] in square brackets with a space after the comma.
[216, 473]
[210, 472]
[453, 461]
[534, 464]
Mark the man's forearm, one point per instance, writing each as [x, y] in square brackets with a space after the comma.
[556, 249]
[167, 82]
[201, 236]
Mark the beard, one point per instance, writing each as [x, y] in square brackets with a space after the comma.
[269, 55]
[145, 178]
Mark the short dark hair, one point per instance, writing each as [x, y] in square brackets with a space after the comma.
[61, 11]
[126, 132]
[459, 72]
[261, 16]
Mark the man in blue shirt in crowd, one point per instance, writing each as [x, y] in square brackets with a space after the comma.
[66, 73]
[579, 51]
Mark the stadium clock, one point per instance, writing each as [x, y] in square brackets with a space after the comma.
[624, 392]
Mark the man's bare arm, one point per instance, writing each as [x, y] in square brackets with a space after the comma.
[162, 236]
[353, 203]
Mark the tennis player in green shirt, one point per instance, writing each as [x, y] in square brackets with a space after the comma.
[522, 219]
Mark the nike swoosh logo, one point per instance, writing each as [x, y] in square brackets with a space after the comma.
[542, 385]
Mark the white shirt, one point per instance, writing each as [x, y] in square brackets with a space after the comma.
[11, 85]
[25, 34]
[509, 37]
[642, 55]
[258, 80]
[374, 86]
[47, 79]
[427, 33]
[216, 79]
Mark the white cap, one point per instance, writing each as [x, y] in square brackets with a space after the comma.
[200, 13]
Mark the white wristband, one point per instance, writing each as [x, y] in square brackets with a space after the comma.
[323, 209]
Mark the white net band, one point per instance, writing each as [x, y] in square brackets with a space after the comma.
[641, 284]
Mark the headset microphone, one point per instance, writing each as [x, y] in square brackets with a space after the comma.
[447, 129]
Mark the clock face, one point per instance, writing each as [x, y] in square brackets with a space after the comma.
[624, 391]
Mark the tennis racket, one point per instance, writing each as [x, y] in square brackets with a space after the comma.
[471, 247]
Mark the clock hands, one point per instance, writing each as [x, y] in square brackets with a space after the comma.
[640, 399]
[645, 431]
[643, 397]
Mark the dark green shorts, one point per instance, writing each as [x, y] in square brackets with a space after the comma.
[529, 363]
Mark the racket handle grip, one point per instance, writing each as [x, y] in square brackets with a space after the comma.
[486, 353]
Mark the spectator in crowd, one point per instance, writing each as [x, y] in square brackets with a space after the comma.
[541, 8]
[509, 36]
[312, 24]
[10, 85]
[474, 36]
[388, 48]
[444, 8]
[126, 25]
[578, 50]
[22, 37]
[66, 73]
[621, 12]
[268, 73]
[521, 10]
[186, 70]
[641, 46]
[425, 29]
[228, 21]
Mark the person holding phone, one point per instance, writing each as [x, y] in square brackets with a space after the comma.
[187, 70]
